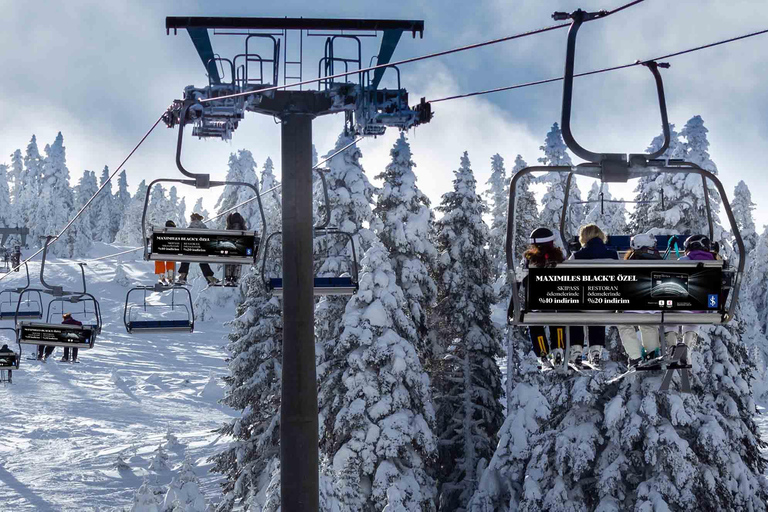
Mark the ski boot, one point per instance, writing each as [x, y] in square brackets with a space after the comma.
[212, 280]
[557, 356]
[595, 355]
[575, 358]
[182, 279]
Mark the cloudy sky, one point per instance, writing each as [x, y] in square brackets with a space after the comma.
[102, 72]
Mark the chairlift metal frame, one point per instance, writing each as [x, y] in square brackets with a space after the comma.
[58, 292]
[159, 325]
[15, 313]
[612, 167]
[199, 181]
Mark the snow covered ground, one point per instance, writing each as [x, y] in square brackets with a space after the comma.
[63, 425]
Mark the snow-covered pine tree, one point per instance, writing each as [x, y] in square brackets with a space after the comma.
[526, 209]
[106, 218]
[159, 461]
[184, 491]
[742, 207]
[7, 217]
[159, 209]
[555, 153]
[407, 232]
[31, 183]
[648, 189]
[272, 199]
[177, 208]
[468, 385]
[498, 199]
[611, 217]
[16, 175]
[253, 387]
[147, 498]
[377, 416]
[87, 223]
[756, 285]
[181, 213]
[121, 200]
[56, 200]
[242, 168]
[130, 231]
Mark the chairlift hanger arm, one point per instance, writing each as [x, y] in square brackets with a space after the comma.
[578, 17]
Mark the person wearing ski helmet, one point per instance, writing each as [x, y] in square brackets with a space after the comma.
[697, 248]
[642, 247]
[542, 252]
[593, 247]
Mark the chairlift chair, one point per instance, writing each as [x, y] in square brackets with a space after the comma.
[53, 333]
[178, 316]
[87, 316]
[15, 308]
[608, 167]
[233, 247]
[9, 361]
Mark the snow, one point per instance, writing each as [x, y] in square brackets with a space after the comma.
[82, 437]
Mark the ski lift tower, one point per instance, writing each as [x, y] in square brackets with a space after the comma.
[255, 81]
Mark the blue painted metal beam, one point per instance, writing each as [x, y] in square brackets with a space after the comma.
[202, 43]
[388, 43]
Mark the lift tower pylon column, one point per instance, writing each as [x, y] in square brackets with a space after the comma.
[298, 412]
[248, 83]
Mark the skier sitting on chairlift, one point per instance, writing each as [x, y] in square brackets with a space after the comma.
[235, 221]
[542, 252]
[166, 270]
[196, 221]
[593, 247]
[697, 248]
[642, 247]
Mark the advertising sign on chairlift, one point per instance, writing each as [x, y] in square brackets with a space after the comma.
[204, 245]
[57, 335]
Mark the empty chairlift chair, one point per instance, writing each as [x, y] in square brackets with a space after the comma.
[152, 315]
[334, 285]
[21, 303]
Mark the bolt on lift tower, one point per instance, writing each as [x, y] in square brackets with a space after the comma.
[252, 77]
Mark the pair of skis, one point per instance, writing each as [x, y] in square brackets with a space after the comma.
[676, 361]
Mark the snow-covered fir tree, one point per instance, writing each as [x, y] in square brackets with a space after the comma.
[251, 459]
[755, 284]
[526, 209]
[30, 185]
[407, 232]
[556, 154]
[159, 460]
[182, 213]
[272, 198]
[350, 202]
[611, 217]
[742, 207]
[88, 222]
[242, 168]
[199, 208]
[184, 491]
[648, 188]
[15, 175]
[7, 217]
[160, 208]
[107, 220]
[376, 415]
[498, 200]
[56, 201]
[130, 231]
[468, 384]
[147, 498]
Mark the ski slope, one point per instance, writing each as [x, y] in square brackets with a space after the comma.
[63, 425]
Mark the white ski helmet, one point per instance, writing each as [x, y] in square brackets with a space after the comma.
[643, 241]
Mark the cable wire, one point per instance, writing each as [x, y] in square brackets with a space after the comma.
[603, 70]
[473, 46]
[82, 209]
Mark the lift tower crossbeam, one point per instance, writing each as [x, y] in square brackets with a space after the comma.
[368, 110]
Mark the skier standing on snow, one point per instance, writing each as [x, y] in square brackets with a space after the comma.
[642, 247]
[196, 221]
[542, 253]
[165, 270]
[235, 221]
[593, 247]
[68, 320]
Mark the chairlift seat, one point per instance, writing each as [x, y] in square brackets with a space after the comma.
[322, 286]
[25, 315]
[159, 325]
